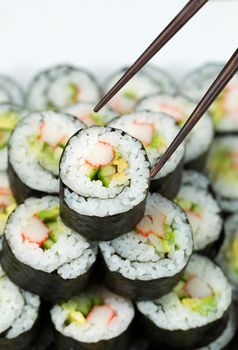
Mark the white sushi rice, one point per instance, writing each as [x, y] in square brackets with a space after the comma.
[230, 206]
[10, 91]
[132, 257]
[91, 197]
[164, 126]
[18, 309]
[24, 161]
[169, 313]
[207, 228]
[71, 256]
[201, 136]
[92, 333]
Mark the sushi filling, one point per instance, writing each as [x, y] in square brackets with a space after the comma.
[93, 316]
[8, 121]
[7, 201]
[160, 245]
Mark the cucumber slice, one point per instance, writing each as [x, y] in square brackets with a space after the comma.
[48, 244]
[49, 215]
[4, 137]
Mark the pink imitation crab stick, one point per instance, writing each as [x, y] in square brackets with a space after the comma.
[152, 224]
[102, 154]
[142, 131]
[102, 314]
[197, 288]
[49, 133]
[35, 231]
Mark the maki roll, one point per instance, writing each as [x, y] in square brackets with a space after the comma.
[42, 255]
[61, 86]
[10, 91]
[228, 255]
[19, 316]
[162, 78]
[7, 203]
[224, 111]
[194, 313]
[105, 177]
[149, 261]
[203, 213]
[84, 112]
[222, 170]
[156, 131]
[9, 117]
[35, 148]
[96, 319]
[199, 140]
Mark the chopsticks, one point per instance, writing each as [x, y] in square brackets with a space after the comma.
[215, 89]
[189, 10]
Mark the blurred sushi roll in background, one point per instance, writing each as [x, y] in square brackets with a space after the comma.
[61, 86]
[105, 176]
[147, 81]
[10, 115]
[195, 313]
[84, 112]
[224, 111]
[96, 319]
[20, 316]
[203, 211]
[149, 261]
[42, 255]
[10, 91]
[35, 148]
[222, 170]
[180, 108]
[156, 131]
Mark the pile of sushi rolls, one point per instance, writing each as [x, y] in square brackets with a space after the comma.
[84, 112]
[10, 91]
[35, 148]
[105, 176]
[195, 313]
[20, 316]
[203, 212]
[42, 255]
[224, 110]
[149, 261]
[61, 86]
[10, 115]
[95, 319]
[222, 170]
[156, 131]
[7, 202]
[228, 255]
[142, 84]
[180, 108]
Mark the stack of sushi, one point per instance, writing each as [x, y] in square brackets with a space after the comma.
[94, 253]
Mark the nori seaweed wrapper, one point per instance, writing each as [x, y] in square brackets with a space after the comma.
[97, 228]
[197, 164]
[169, 185]
[20, 190]
[212, 249]
[49, 286]
[45, 338]
[184, 340]
[138, 289]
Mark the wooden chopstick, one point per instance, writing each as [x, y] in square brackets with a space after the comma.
[215, 89]
[190, 9]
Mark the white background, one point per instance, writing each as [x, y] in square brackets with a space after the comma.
[103, 35]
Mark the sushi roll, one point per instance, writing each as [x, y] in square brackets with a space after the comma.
[228, 255]
[19, 316]
[224, 111]
[35, 148]
[95, 319]
[142, 84]
[84, 112]
[10, 91]
[42, 255]
[222, 170]
[180, 108]
[204, 214]
[10, 115]
[7, 203]
[105, 177]
[156, 131]
[162, 78]
[195, 313]
[149, 261]
[61, 86]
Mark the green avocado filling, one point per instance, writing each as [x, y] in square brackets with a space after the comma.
[157, 142]
[223, 165]
[130, 95]
[6, 210]
[74, 92]
[187, 205]
[8, 121]
[164, 246]
[203, 306]
[217, 110]
[98, 119]
[231, 254]
[51, 219]
[79, 308]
